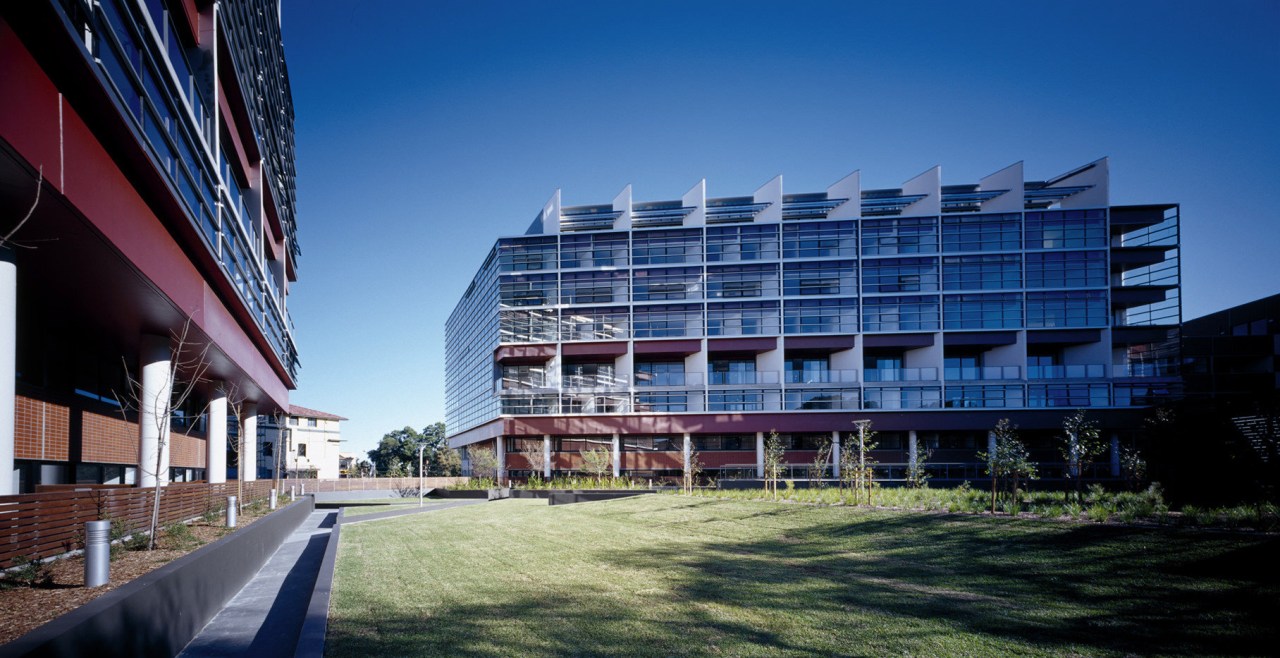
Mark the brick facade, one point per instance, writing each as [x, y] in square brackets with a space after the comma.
[109, 440]
[186, 451]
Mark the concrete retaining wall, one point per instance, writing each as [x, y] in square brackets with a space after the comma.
[159, 613]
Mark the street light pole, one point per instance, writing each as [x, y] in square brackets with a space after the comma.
[420, 447]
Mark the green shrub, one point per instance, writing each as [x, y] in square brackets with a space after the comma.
[179, 537]
[27, 571]
[1099, 512]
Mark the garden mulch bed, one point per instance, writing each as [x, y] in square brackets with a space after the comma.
[23, 609]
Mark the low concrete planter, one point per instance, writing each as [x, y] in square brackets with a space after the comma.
[460, 493]
[571, 497]
[159, 613]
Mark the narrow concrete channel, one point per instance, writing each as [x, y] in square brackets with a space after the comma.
[264, 618]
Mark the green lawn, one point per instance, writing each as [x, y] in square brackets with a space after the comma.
[671, 575]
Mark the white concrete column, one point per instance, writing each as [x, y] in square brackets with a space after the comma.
[249, 442]
[617, 455]
[216, 445]
[759, 454]
[153, 411]
[913, 450]
[687, 447]
[8, 367]
[835, 454]
[991, 447]
[546, 456]
[500, 445]
[1115, 454]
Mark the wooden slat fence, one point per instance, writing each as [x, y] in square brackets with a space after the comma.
[51, 522]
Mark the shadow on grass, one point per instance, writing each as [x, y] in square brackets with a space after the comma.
[1062, 588]
[875, 584]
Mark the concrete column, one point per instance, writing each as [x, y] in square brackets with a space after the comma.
[913, 450]
[546, 456]
[1115, 454]
[8, 367]
[216, 445]
[835, 454]
[153, 411]
[249, 442]
[617, 455]
[687, 447]
[759, 454]
[991, 447]
[500, 445]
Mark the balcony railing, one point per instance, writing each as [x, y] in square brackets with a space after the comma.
[981, 373]
[901, 375]
[743, 378]
[1145, 370]
[822, 376]
[1082, 371]
[594, 381]
[668, 379]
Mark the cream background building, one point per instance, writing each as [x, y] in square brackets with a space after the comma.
[308, 442]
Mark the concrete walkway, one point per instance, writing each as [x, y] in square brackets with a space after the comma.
[264, 619]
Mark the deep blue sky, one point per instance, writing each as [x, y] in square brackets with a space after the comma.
[427, 129]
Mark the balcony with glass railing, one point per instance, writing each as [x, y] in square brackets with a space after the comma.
[981, 373]
[1078, 371]
[747, 378]
[595, 381]
[811, 399]
[668, 379]
[806, 377]
[1154, 369]
[872, 375]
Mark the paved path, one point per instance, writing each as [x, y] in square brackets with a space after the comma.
[265, 617]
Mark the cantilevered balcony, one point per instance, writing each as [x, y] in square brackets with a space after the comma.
[1075, 371]
[820, 377]
[982, 373]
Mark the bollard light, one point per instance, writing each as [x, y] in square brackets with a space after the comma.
[273, 499]
[97, 553]
[231, 511]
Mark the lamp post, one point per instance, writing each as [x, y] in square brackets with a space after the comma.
[420, 447]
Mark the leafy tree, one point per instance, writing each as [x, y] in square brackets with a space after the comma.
[397, 452]
[484, 463]
[597, 461]
[1010, 463]
[446, 463]
[533, 453]
[773, 456]
[1081, 445]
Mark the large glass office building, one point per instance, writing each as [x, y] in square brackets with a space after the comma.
[931, 310]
